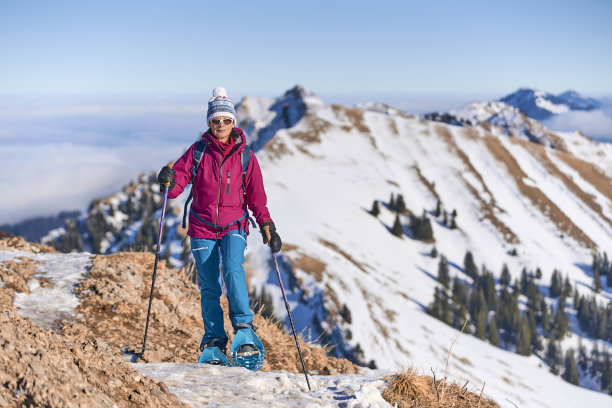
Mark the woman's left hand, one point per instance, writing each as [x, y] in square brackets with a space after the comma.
[270, 236]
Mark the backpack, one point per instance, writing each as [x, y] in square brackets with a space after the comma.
[198, 153]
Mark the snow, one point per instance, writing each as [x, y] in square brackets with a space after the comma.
[46, 305]
[202, 385]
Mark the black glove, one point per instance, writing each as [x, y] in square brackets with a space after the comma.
[270, 236]
[166, 178]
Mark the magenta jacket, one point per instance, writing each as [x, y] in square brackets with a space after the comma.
[217, 190]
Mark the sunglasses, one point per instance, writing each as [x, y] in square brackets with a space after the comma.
[217, 122]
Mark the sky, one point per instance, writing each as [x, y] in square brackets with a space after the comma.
[94, 93]
[327, 46]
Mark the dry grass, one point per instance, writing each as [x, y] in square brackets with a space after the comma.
[356, 117]
[311, 266]
[539, 152]
[535, 195]
[430, 186]
[589, 172]
[344, 254]
[408, 389]
[487, 209]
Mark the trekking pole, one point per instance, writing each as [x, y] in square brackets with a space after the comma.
[290, 319]
[161, 226]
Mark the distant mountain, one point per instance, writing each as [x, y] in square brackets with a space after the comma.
[542, 105]
[33, 229]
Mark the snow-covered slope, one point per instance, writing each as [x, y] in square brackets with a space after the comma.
[366, 291]
[322, 176]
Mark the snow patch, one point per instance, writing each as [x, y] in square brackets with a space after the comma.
[239, 387]
[45, 305]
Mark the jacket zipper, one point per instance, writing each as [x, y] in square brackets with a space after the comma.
[219, 194]
[228, 182]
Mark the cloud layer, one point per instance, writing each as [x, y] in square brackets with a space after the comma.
[59, 155]
[596, 124]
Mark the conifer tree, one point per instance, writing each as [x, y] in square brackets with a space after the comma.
[606, 372]
[545, 321]
[375, 211]
[435, 308]
[443, 272]
[493, 333]
[397, 229]
[438, 209]
[609, 279]
[523, 342]
[538, 273]
[400, 205]
[453, 224]
[481, 322]
[392, 203]
[445, 218]
[595, 363]
[469, 266]
[555, 284]
[560, 323]
[477, 301]
[434, 252]
[505, 275]
[596, 280]
[524, 281]
[583, 359]
[446, 316]
[567, 288]
[570, 372]
[553, 357]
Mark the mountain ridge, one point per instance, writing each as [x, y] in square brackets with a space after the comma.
[523, 204]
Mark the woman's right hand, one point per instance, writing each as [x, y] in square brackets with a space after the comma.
[166, 178]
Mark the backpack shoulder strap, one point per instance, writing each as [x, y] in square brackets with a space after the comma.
[245, 158]
[198, 153]
[197, 158]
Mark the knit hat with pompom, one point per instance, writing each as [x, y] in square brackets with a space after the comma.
[220, 105]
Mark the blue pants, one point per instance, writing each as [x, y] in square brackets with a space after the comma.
[206, 254]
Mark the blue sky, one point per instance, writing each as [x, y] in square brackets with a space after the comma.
[97, 92]
[435, 47]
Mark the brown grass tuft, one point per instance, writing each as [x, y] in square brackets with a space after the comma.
[408, 389]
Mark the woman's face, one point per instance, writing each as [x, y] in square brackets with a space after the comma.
[221, 127]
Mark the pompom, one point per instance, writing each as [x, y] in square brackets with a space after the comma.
[219, 91]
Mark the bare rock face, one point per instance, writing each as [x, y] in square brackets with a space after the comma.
[41, 368]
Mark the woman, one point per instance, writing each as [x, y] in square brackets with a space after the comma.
[218, 220]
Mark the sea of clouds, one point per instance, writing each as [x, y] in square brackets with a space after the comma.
[596, 124]
[59, 153]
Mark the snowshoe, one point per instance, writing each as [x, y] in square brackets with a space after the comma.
[247, 350]
[213, 352]
[214, 356]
